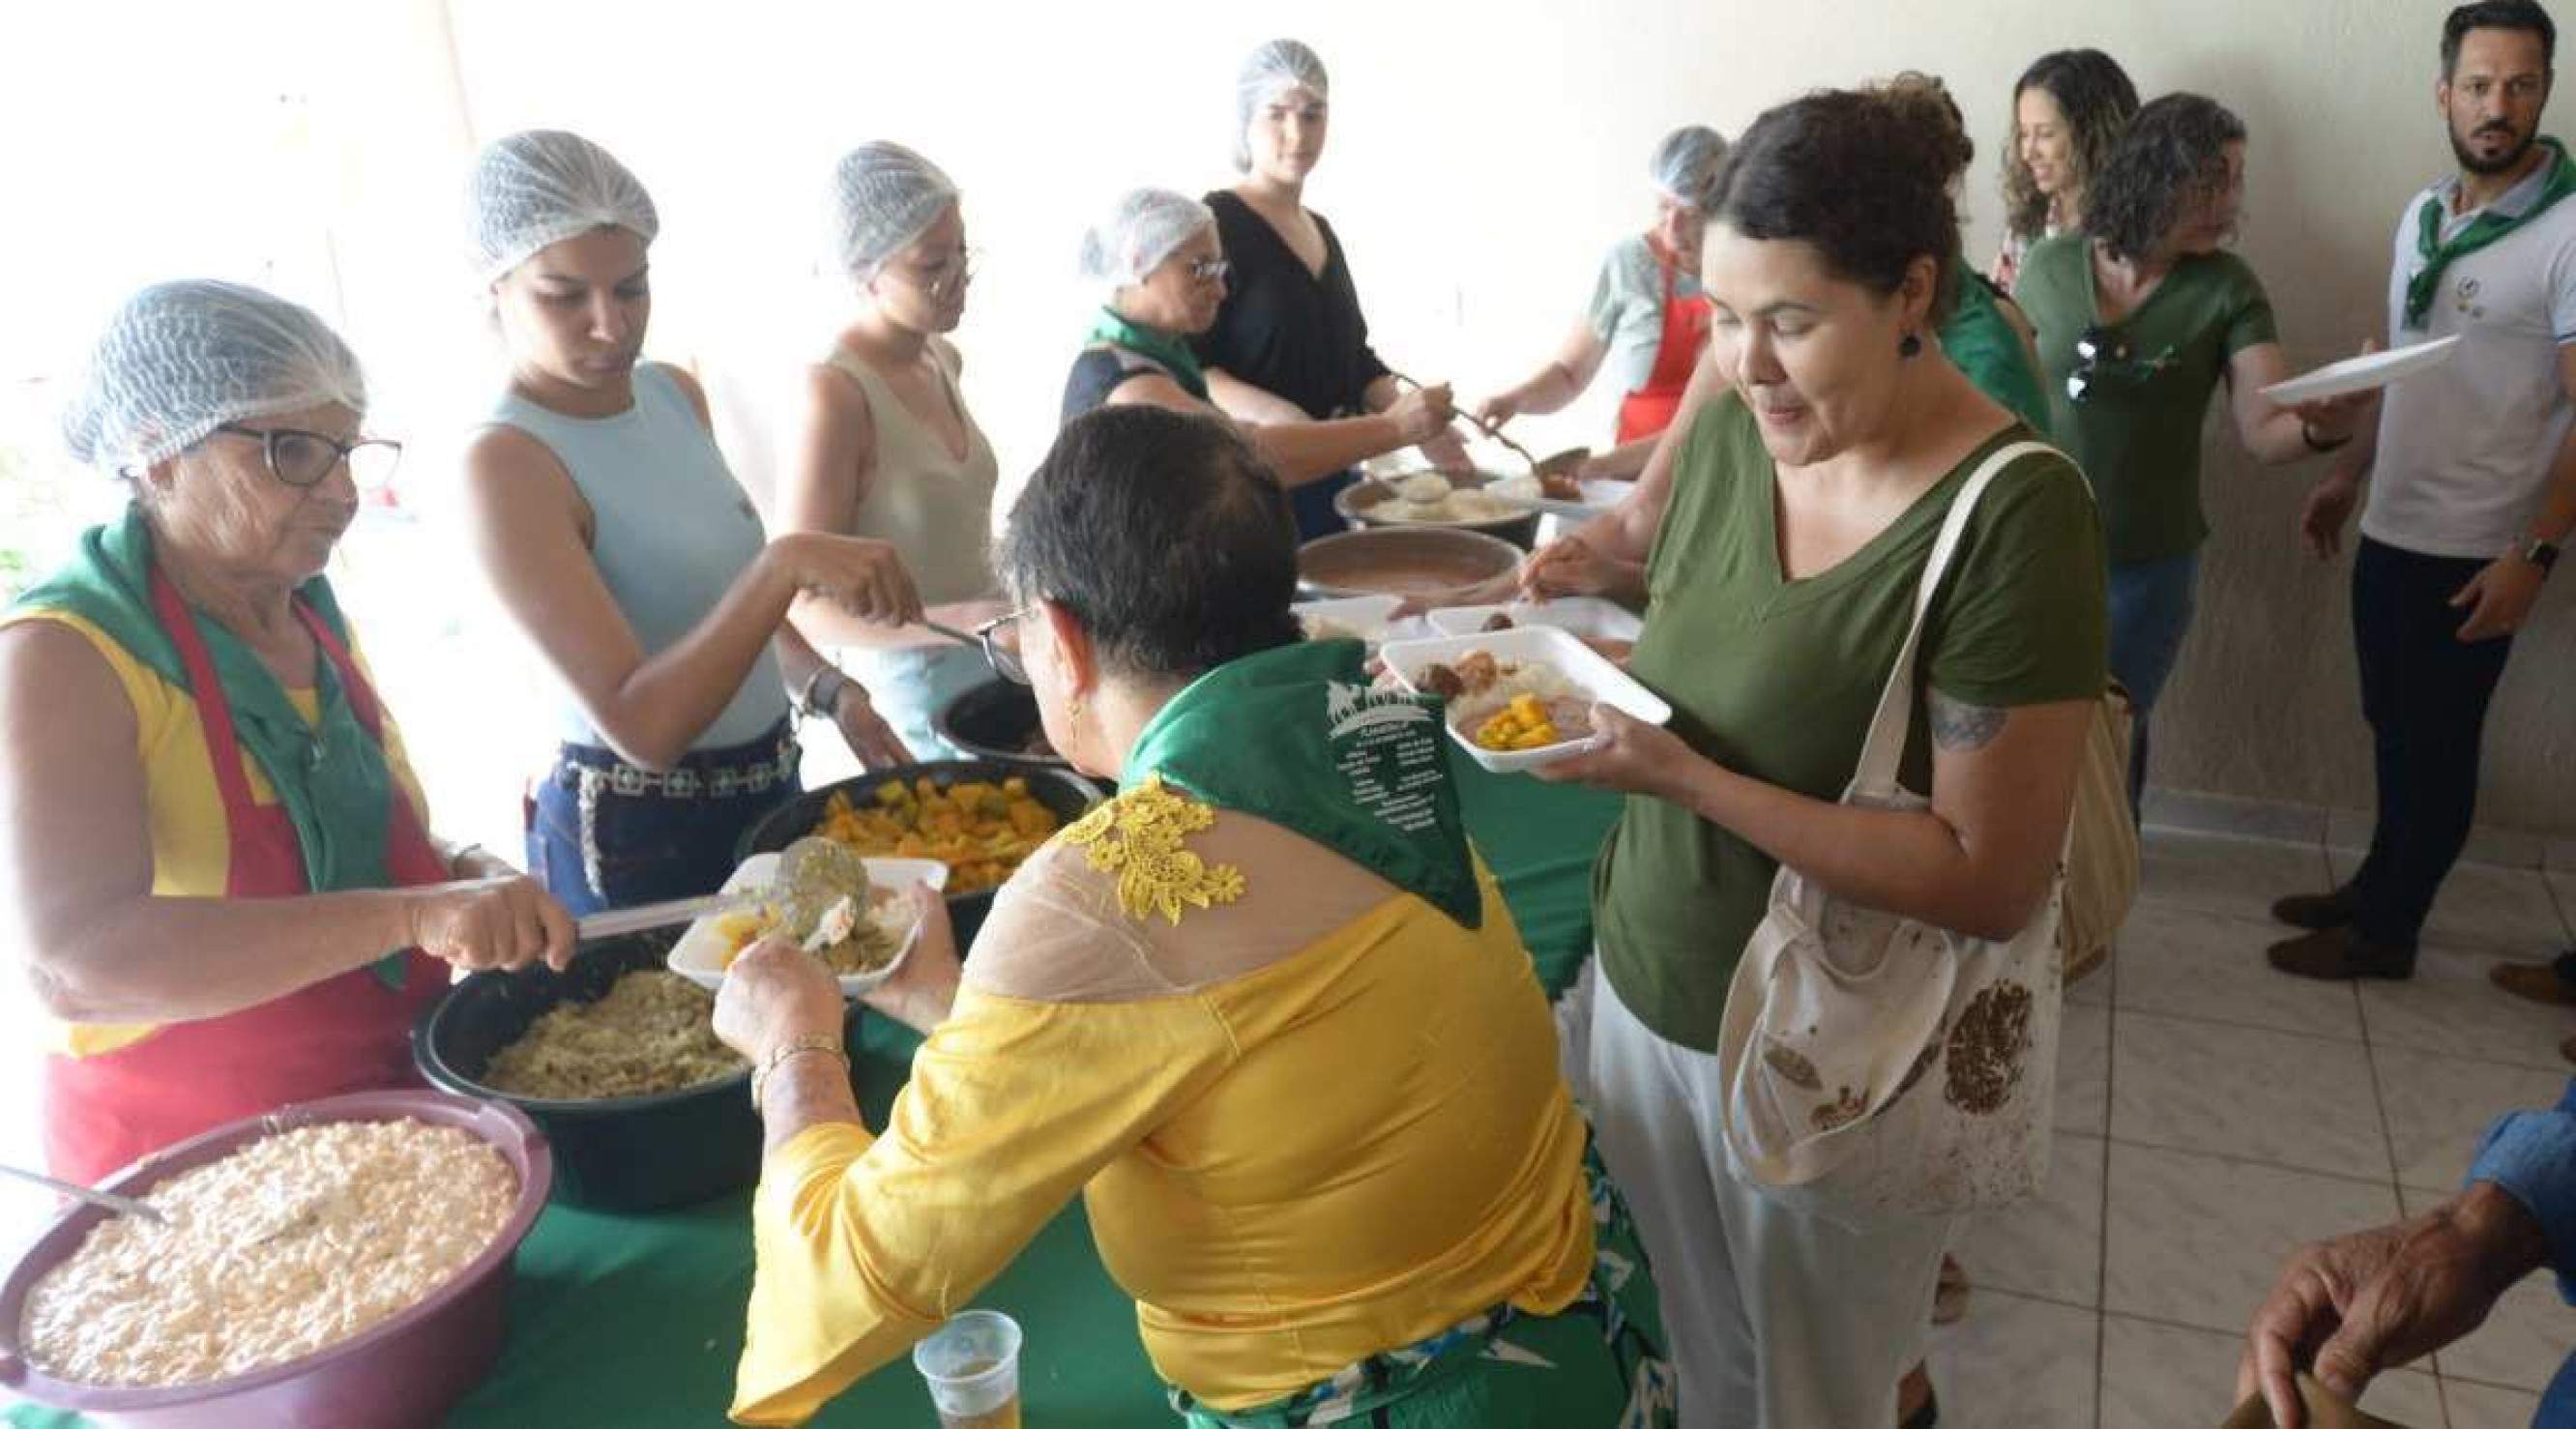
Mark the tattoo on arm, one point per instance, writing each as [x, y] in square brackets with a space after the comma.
[1957, 725]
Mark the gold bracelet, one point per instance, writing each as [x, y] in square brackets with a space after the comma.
[796, 1046]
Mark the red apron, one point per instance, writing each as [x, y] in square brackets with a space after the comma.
[1650, 408]
[345, 1033]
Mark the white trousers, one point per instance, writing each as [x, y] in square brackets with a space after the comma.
[1776, 1319]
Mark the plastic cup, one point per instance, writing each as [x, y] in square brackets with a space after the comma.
[972, 1364]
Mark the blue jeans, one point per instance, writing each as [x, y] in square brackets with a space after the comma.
[596, 846]
[2151, 605]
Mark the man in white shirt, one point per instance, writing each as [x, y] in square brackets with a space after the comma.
[2472, 483]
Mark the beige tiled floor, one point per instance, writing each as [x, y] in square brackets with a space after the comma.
[2214, 1114]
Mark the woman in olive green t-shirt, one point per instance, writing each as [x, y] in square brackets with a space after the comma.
[2140, 318]
[1780, 550]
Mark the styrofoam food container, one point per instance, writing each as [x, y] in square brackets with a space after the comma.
[699, 956]
[1582, 615]
[1581, 666]
[1367, 616]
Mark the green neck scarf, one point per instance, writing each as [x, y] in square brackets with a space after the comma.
[332, 777]
[2480, 231]
[1296, 736]
[1162, 347]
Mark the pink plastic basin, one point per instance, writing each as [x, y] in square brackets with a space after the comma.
[403, 1372]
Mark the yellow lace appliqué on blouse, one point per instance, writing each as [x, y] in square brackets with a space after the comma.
[1138, 836]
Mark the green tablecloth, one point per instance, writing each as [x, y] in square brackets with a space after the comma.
[637, 1320]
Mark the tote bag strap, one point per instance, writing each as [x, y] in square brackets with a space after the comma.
[1884, 750]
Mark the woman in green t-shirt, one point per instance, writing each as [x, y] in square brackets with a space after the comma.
[1777, 555]
[2141, 317]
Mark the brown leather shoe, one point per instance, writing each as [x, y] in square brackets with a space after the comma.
[2537, 982]
[2318, 911]
[2339, 955]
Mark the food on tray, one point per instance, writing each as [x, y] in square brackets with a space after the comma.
[981, 830]
[1494, 622]
[1427, 498]
[1474, 674]
[863, 945]
[1525, 723]
[651, 1033]
[1509, 705]
[1424, 488]
[1540, 486]
[289, 1245]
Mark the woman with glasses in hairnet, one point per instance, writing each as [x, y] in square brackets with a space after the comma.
[1289, 342]
[215, 868]
[617, 539]
[1648, 320]
[1158, 254]
[888, 449]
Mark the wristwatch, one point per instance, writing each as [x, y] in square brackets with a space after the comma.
[2542, 553]
[823, 692]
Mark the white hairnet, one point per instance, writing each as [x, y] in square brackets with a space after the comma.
[1276, 66]
[883, 197]
[1686, 163]
[1137, 235]
[179, 359]
[542, 186]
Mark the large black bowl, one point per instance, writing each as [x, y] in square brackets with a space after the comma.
[1067, 793]
[615, 1153]
[996, 721]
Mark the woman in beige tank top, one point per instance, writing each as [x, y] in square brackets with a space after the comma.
[886, 446]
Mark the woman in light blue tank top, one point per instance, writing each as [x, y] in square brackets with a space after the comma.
[617, 539]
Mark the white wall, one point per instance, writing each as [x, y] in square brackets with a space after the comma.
[1481, 156]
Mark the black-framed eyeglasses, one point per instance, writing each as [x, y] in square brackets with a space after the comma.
[2103, 355]
[303, 459]
[1000, 637]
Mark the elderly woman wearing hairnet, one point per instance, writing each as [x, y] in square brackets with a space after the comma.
[214, 865]
[888, 449]
[1157, 253]
[616, 538]
[1289, 343]
[1648, 319]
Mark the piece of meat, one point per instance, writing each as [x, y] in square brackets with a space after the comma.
[1477, 671]
[1572, 716]
[1444, 682]
[1560, 486]
[1494, 622]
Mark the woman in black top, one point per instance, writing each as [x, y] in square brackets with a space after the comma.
[1289, 343]
[1156, 252]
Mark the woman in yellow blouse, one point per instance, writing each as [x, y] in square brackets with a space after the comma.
[1281, 902]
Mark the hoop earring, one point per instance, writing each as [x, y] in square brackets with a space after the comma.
[1911, 347]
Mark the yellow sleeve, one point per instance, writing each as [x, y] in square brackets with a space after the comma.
[865, 1244]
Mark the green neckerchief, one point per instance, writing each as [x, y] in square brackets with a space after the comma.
[2482, 230]
[332, 779]
[1297, 736]
[1173, 354]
